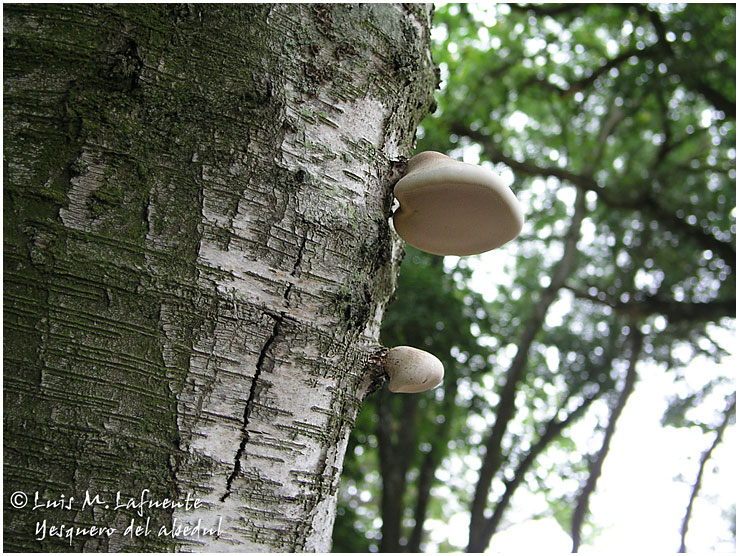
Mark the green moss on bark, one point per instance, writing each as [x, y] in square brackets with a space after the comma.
[135, 135]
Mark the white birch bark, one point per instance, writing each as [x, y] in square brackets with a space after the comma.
[197, 275]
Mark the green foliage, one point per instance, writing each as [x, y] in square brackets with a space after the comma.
[433, 310]
[634, 105]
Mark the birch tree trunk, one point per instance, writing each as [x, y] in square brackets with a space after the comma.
[197, 258]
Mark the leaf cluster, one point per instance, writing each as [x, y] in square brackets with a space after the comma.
[633, 106]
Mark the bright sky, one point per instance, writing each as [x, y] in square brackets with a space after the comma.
[640, 503]
[648, 475]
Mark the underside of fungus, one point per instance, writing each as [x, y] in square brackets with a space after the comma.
[412, 370]
[449, 207]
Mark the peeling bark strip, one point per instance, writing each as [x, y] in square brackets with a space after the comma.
[197, 259]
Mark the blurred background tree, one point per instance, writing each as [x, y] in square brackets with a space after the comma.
[615, 125]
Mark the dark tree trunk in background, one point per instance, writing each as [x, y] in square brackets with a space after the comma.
[395, 449]
[197, 258]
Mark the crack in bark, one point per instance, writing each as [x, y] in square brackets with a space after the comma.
[294, 272]
[249, 403]
[299, 258]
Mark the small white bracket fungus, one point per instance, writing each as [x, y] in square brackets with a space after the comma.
[412, 370]
[449, 207]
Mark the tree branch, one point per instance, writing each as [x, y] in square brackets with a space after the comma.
[674, 311]
[588, 80]
[701, 86]
[423, 495]
[493, 457]
[395, 457]
[728, 412]
[430, 462]
[714, 97]
[552, 430]
[596, 466]
[606, 67]
[646, 202]
[551, 10]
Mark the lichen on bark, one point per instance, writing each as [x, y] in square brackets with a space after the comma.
[197, 258]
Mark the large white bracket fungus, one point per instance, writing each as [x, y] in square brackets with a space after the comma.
[449, 207]
[412, 370]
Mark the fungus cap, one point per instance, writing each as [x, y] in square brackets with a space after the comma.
[449, 207]
[412, 370]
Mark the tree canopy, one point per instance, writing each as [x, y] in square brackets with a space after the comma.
[615, 125]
